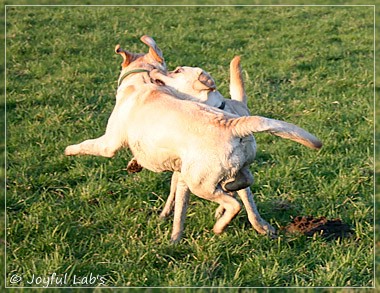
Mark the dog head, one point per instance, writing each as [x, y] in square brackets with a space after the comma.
[193, 81]
[153, 59]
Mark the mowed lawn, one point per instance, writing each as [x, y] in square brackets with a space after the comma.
[85, 217]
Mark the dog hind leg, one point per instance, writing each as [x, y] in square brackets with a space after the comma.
[231, 205]
[182, 193]
[169, 205]
[231, 209]
[260, 225]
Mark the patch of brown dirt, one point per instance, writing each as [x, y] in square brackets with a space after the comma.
[308, 225]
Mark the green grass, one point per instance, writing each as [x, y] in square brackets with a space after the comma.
[312, 66]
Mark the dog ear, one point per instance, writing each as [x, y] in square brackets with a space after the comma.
[154, 51]
[204, 82]
[127, 57]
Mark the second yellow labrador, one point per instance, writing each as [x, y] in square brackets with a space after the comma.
[199, 84]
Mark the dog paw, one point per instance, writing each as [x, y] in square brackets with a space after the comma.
[164, 214]
[219, 212]
[217, 229]
[265, 229]
[175, 237]
[71, 150]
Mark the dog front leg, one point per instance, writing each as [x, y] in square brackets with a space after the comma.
[108, 144]
[104, 146]
[181, 202]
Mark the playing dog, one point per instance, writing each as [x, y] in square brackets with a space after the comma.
[200, 85]
[167, 131]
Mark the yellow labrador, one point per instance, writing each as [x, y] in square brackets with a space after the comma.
[210, 148]
[200, 85]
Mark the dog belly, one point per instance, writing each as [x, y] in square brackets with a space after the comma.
[155, 159]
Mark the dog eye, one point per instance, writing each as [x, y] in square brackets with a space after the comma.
[178, 70]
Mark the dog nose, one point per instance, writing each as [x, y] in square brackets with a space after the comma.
[207, 80]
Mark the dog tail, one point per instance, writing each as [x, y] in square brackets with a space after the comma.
[246, 125]
[237, 90]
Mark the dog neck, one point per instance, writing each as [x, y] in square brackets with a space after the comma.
[215, 99]
[133, 76]
[129, 72]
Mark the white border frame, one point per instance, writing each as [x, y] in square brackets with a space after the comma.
[190, 5]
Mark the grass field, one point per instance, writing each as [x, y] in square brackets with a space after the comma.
[83, 217]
